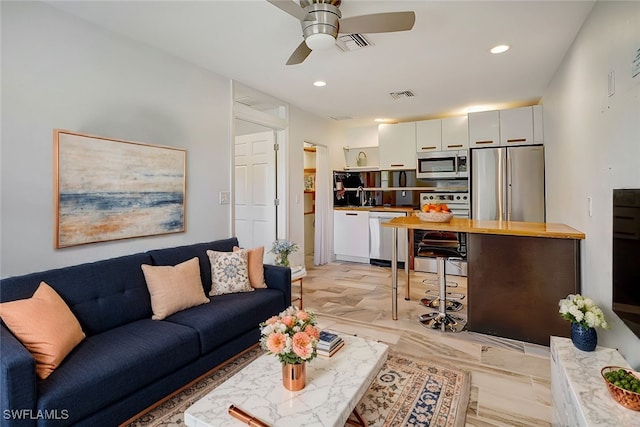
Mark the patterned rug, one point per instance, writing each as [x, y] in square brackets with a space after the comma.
[406, 392]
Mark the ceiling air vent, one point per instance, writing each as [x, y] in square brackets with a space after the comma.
[351, 42]
[343, 117]
[402, 94]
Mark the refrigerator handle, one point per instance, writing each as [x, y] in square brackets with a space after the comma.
[509, 186]
[501, 186]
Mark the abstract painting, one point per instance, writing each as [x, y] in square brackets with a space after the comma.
[109, 189]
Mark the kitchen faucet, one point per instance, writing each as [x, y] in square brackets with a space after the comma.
[360, 193]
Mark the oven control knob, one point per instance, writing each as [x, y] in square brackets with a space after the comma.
[457, 197]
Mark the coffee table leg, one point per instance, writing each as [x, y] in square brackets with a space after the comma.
[358, 421]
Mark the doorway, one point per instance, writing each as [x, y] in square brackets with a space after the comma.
[255, 189]
[309, 198]
[259, 214]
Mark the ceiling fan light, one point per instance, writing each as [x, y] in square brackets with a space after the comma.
[320, 41]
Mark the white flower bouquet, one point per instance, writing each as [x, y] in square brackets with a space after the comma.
[282, 249]
[582, 310]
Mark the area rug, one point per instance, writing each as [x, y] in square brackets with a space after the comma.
[406, 392]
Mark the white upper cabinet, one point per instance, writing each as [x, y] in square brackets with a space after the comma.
[428, 136]
[397, 144]
[484, 129]
[442, 134]
[516, 126]
[455, 133]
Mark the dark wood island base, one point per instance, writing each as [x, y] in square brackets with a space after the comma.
[516, 282]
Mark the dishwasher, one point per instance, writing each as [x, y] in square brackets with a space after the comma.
[380, 238]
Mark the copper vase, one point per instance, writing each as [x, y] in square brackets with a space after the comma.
[294, 377]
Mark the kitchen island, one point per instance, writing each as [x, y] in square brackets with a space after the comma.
[517, 273]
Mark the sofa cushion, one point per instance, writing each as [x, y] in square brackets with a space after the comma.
[102, 295]
[45, 326]
[174, 288]
[229, 315]
[109, 366]
[255, 265]
[229, 272]
[173, 256]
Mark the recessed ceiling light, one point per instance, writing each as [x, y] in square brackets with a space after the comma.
[499, 49]
[380, 120]
[319, 83]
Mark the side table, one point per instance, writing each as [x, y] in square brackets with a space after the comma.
[578, 392]
[297, 274]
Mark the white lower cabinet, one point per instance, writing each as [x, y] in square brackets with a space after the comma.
[351, 235]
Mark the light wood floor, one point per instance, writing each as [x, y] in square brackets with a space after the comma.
[510, 380]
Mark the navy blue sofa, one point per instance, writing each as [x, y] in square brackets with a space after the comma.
[127, 362]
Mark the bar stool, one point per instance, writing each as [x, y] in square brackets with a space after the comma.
[446, 302]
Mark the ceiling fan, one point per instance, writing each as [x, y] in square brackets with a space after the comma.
[321, 22]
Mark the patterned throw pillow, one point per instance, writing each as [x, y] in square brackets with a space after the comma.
[229, 272]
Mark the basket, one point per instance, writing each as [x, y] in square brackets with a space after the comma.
[435, 216]
[626, 398]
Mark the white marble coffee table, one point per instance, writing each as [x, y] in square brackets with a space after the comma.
[334, 387]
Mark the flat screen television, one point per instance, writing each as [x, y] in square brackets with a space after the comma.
[626, 257]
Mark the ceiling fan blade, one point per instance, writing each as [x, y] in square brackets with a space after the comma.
[378, 23]
[293, 9]
[300, 54]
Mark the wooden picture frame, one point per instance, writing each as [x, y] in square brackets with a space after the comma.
[110, 189]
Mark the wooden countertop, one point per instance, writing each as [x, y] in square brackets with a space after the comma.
[509, 228]
[408, 209]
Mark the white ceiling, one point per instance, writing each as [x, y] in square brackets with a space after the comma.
[443, 60]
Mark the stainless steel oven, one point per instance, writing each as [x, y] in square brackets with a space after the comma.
[459, 204]
[442, 164]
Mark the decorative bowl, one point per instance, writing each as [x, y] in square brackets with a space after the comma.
[435, 216]
[626, 398]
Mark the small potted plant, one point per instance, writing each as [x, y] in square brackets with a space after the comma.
[584, 316]
[282, 248]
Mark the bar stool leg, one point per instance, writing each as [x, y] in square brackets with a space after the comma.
[441, 319]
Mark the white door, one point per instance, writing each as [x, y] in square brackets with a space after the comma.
[255, 190]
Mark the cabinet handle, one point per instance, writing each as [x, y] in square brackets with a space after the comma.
[483, 142]
[351, 214]
[428, 148]
[517, 140]
[397, 165]
[455, 146]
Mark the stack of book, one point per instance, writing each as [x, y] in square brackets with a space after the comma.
[328, 344]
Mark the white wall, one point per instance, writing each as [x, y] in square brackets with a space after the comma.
[593, 146]
[304, 127]
[60, 72]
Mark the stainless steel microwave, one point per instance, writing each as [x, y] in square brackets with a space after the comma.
[442, 164]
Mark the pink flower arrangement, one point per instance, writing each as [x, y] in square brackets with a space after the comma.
[291, 335]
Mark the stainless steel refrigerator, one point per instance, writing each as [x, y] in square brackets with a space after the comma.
[507, 183]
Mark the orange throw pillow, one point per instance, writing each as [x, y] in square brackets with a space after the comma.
[174, 288]
[45, 325]
[256, 268]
